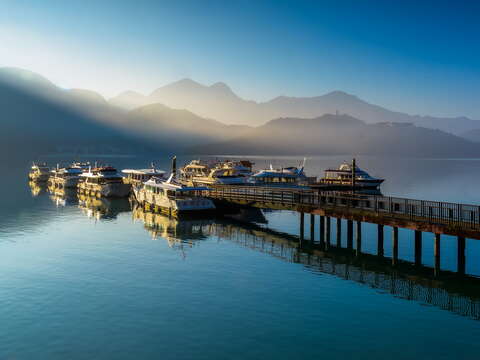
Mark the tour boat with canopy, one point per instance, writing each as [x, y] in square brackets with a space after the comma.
[103, 182]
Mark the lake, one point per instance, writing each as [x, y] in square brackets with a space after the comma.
[98, 279]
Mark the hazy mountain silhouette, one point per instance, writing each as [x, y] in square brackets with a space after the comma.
[343, 134]
[37, 118]
[34, 121]
[472, 135]
[177, 128]
[219, 102]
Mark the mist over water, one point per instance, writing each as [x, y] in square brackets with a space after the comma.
[100, 281]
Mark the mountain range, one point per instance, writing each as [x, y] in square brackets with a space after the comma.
[342, 135]
[38, 117]
[219, 102]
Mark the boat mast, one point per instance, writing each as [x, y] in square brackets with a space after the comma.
[353, 173]
[174, 166]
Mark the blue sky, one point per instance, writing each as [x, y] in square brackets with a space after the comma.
[419, 57]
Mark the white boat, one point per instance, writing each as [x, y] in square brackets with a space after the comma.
[283, 177]
[65, 178]
[138, 176]
[226, 172]
[173, 198]
[39, 173]
[342, 177]
[103, 182]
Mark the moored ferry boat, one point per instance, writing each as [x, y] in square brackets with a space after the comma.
[198, 173]
[283, 177]
[103, 182]
[139, 176]
[350, 175]
[65, 178]
[172, 197]
[39, 173]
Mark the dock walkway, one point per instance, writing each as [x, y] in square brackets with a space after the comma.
[421, 215]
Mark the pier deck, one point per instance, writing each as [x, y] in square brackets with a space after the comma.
[460, 220]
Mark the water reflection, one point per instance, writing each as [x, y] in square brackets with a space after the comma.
[37, 188]
[460, 295]
[63, 196]
[448, 291]
[103, 208]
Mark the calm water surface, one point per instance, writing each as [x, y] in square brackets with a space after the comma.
[97, 280]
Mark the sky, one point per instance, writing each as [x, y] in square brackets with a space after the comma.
[419, 57]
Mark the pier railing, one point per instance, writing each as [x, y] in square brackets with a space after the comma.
[463, 216]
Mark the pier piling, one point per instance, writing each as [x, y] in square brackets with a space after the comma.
[359, 238]
[394, 246]
[436, 255]
[349, 234]
[418, 248]
[327, 230]
[312, 228]
[380, 233]
[339, 232]
[302, 226]
[461, 255]
[321, 231]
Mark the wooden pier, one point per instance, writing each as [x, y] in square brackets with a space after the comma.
[460, 220]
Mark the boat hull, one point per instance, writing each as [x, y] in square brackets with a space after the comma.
[115, 190]
[359, 184]
[172, 206]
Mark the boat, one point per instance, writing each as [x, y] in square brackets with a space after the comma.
[139, 176]
[39, 173]
[172, 197]
[282, 177]
[103, 182]
[342, 177]
[65, 178]
[227, 172]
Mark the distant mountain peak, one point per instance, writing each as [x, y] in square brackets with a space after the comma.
[185, 82]
[220, 85]
[340, 95]
[130, 93]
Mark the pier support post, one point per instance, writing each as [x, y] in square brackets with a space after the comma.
[359, 238]
[322, 231]
[327, 230]
[436, 255]
[461, 255]
[380, 233]
[302, 226]
[394, 246]
[339, 232]
[418, 248]
[350, 234]
[312, 228]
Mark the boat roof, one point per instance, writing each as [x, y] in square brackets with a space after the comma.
[143, 171]
[290, 172]
[171, 184]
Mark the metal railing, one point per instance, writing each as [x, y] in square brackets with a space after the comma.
[461, 215]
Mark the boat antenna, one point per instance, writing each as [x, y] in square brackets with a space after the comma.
[152, 165]
[303, 165]
[174, 166]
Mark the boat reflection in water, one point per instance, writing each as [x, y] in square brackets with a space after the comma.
[103, 208]
[63, 196]
[180, 233]
[37, 188]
